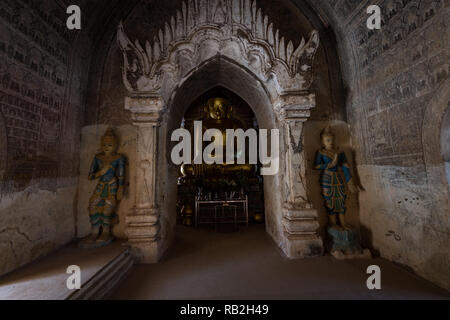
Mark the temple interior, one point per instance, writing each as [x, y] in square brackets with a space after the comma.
[344, 162]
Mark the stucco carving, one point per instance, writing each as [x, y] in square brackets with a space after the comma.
[203, 29]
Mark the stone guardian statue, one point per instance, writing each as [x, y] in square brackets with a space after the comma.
[109, 168]
[336, 175]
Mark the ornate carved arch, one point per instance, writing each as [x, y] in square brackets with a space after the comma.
[233, 37]
[203, 29]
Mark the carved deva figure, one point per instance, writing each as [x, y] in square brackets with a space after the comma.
[109, 167]
[329, 160]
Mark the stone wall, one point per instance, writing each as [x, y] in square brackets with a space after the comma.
[393, 76]
[40, 110]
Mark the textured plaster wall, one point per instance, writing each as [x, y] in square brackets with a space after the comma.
[445, 145]
[393, 77]
[34, 223]
[43, 74]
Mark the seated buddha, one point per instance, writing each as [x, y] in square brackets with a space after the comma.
[217, 114]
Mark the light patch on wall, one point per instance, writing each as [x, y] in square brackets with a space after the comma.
[445, 142]
[3, 150]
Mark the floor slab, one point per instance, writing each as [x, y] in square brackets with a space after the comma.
[204, 264]
[46, 278]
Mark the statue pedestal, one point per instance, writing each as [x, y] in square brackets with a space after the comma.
[339, 255]
[344, 244]
[84, 244]
[143, 232]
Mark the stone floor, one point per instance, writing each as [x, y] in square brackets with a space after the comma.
[247, 265]
[46, 278]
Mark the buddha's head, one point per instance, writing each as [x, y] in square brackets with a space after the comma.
[218, 108]
[109, 142]
[327, 138]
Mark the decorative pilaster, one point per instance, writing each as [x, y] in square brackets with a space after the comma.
[300, 219]
[142, 223]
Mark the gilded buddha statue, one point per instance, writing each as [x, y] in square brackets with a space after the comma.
[218, 114]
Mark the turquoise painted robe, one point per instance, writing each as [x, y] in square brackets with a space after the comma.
[332, 181]
[103, 202]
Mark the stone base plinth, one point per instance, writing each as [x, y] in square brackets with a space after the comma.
[143, 237]
[344, 244]
[301, 237]
[303, 247]
[343, 240]
[144, 252]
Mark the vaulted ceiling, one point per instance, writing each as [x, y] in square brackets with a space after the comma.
[102, 16]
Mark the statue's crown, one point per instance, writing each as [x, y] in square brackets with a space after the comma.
[109, 136]
[327, 132]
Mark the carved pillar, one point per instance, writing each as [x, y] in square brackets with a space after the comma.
[142, 223]
[300, 219]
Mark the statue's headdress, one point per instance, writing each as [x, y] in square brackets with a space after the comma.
[327, 132]
[109, 136]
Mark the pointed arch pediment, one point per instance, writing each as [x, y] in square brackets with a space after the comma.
[203, 29]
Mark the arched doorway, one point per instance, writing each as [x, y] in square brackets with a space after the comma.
[224, 73]
[239, 52]
[228, 195]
